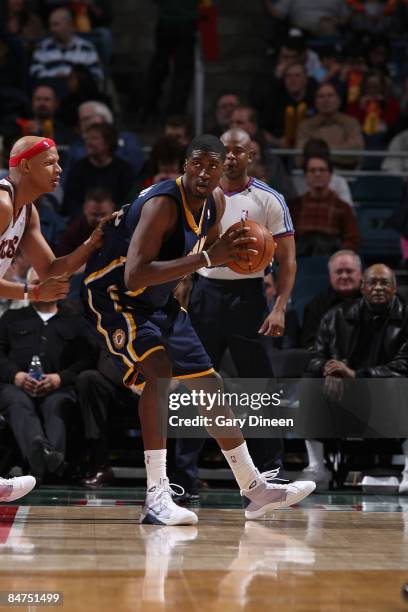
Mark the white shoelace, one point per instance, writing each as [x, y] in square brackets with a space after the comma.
[270, 477]
[170, 487]
[167, 491]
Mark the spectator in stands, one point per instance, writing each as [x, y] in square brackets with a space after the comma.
[338, 183]
[166, 160]
[246, 118]
[128, 146]
[12, 69]
[354, 67]
[329, 124]
[57, 336]
[283, 105]
[179, 128]
[98, 204]
[397, 165]
[100, 168]
[332, 60]
[52, 224]
[174, 44]
[345, 274]
[101, 390]
[259, 171]
[90, 16]
[225, 103]
[366, 338]
[22, 22]
[323, 222]
[378, 55]
[99, 12]
[295, 49]
[371, 17]
[317, 17]
[54, 57]
[376, 109]
[43, 119]
[257, 167]
[81, 87]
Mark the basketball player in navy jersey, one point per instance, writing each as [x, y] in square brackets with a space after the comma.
[34, 170]
[127, 295]
[227, 309]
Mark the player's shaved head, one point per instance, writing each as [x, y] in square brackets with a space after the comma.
[237, 135]
[25, 143]
[33, 165]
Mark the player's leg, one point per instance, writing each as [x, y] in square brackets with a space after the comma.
[205, 311]
[191, 364]
[260, 492]
[159, 508]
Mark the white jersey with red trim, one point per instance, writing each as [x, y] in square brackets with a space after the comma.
[11, 237]
[263, 205]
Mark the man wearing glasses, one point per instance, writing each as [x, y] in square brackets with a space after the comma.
[324, 223]
[367, 338]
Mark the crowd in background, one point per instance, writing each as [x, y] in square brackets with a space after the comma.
[332, 83]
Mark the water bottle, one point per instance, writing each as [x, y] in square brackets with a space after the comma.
[36, 370]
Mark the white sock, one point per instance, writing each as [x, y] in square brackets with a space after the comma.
[405, 451]
[315, 453]
[155, 462]
[241, 465]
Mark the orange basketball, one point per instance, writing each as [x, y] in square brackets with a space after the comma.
[265, 245]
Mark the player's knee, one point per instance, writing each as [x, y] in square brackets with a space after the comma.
[157, 365]
[216, 379]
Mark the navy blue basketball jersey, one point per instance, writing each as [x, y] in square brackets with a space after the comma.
[105, 270]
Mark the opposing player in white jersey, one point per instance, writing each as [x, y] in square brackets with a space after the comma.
[34, 170]
[228, 309]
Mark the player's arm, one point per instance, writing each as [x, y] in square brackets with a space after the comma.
[274, 324]
[43, 259]
[18, 291]
[215, 231]
[157, 221]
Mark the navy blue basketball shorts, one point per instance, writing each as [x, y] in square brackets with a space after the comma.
[132, 334]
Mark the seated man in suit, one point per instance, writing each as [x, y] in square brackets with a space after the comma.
[37, 410]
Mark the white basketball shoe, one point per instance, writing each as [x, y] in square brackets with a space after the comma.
[266, 493]
[160, 509]
[14, 488]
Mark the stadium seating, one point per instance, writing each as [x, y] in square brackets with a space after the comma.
[375, 198]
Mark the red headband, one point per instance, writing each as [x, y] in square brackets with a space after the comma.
[41, 146]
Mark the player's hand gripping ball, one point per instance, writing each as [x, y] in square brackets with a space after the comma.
[265, 245]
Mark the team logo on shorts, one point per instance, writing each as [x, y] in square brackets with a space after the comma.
[119, 338]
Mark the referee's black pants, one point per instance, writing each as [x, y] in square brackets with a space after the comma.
[228, 314]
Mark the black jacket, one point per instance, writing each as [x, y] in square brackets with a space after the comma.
[315, 311]
[61, 344]
[338, 335]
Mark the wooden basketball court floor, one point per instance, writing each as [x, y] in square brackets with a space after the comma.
[332, 553]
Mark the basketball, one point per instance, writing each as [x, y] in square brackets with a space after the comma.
[265, 245]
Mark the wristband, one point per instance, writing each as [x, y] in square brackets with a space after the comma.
[207, 257]
[36, 292]
[25, 294]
